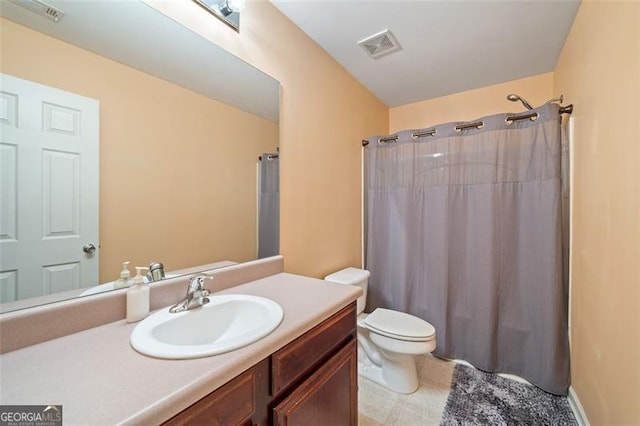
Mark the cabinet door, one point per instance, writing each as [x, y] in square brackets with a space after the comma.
[328, 397]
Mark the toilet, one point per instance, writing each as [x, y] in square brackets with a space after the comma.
[388, 341]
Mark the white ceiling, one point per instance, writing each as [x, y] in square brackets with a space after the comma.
[447, 46]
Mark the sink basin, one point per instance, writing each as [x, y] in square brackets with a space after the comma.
[227, 322]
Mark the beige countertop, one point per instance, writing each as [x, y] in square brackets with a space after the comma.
[99, 379]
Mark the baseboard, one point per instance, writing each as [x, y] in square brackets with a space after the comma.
[576, 407]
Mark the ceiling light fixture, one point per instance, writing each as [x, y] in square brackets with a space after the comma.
[227, 7]
[228, 11]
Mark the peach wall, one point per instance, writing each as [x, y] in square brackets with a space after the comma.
[176, 182]
[472, 104]
[324, 114]
[598, 71]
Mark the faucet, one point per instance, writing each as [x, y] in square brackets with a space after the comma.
[196, 294]
[156, 272]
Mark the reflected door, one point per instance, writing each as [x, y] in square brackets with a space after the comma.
[48, 190]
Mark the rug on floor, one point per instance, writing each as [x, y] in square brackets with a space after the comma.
[479, 398]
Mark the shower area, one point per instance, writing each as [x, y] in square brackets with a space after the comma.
[466, 227]
[268, 204]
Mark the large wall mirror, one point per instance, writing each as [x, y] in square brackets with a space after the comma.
[117, 118]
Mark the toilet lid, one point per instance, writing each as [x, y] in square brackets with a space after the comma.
[394, 323]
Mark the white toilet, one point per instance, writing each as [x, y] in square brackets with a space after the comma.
[388, 341]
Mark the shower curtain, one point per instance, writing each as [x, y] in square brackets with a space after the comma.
[269, 206]
[464, 229]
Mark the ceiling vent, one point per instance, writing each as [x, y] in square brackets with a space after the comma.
[41, 8]
[380, 44]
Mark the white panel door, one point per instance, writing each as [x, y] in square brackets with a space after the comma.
[48, 189]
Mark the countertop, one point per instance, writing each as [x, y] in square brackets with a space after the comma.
[99, 379]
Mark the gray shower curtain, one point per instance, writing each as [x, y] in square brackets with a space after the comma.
[464, 230]
[269, 206]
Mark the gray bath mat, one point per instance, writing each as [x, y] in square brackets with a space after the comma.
[479, 398]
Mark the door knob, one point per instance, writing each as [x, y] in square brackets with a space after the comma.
[89, 248]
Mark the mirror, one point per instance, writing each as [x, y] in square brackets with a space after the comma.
[180, 122]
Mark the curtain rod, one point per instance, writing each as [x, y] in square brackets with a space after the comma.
[477, 124]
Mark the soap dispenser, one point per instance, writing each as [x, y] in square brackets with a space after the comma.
[123, 281]
[138, 297]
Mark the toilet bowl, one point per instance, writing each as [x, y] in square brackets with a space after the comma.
[388, 341]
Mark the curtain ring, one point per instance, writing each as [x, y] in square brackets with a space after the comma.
[418, 135]
[509, 119]
[476, 125]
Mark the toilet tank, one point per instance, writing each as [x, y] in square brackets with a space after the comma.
[353, 276]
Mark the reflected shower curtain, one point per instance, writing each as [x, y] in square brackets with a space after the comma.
[464, 231]
[269, 206]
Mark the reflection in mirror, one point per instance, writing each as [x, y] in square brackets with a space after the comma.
[228, 11]
[269, 205]
[135, 124]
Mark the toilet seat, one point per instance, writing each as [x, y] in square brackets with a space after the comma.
[399, 325]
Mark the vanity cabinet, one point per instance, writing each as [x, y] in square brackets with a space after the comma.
[311, 381]
[327, 397]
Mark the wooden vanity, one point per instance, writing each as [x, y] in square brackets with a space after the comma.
[310, 381]
[302, 373]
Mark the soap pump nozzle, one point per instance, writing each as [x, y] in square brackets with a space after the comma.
[125, 270]
[139, 278]
[124, 279]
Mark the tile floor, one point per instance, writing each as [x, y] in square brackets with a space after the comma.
[381, 407]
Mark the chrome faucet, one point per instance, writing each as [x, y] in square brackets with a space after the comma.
[156, 272]
[196, 294]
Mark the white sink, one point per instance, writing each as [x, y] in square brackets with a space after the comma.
[227, 322]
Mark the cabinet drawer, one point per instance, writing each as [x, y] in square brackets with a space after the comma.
[232, 404]
[308, 351]
[328, 397]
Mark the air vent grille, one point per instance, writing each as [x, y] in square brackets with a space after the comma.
[41, 8]
[380, 44]
[53, 13]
